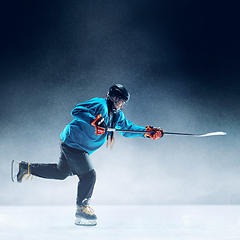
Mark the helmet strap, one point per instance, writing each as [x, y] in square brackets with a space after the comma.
[111, 104]
[110, 136]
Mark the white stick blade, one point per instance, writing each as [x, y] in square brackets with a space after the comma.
[213, 134]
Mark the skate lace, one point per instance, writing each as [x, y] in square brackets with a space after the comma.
[87, 209]
[28, 174]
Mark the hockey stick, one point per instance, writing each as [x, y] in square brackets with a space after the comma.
[170, 133]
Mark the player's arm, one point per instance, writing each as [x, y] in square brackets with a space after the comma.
[82, 113]
[87, 111]
[123, 123]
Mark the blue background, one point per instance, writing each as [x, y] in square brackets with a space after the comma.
[178, 59]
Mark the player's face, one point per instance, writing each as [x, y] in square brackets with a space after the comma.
[119, 104]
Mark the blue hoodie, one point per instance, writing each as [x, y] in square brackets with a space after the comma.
[80, 134]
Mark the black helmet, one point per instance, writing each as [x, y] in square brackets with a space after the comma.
[118, 91]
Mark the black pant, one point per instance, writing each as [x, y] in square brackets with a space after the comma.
[71, 162]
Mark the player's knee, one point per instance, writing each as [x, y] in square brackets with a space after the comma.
[92, 175]
[89, 176]
[63, 175]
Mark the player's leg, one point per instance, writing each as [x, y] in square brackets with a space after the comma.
[50, 171]
[82, 166]
[84, 214]
[85, 186]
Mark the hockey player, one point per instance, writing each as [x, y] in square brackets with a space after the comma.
[80, 138]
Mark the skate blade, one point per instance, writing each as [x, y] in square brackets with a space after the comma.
[14, 170]
[85, 222]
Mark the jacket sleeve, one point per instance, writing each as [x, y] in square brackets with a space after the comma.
[123, 123]
[87, 111]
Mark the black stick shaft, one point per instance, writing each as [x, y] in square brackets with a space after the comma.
[139, 131]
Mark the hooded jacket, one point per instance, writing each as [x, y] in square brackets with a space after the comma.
[80, 134]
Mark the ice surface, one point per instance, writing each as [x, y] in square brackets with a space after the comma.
[121, 222]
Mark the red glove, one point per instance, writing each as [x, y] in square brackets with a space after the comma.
[100, 125]
[154, 134]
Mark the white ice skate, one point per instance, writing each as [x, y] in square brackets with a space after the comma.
[14, 170]
[80, 221]
[19, 171]
[85, 215]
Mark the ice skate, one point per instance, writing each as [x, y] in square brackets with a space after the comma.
[85, 215]
[19, 171]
